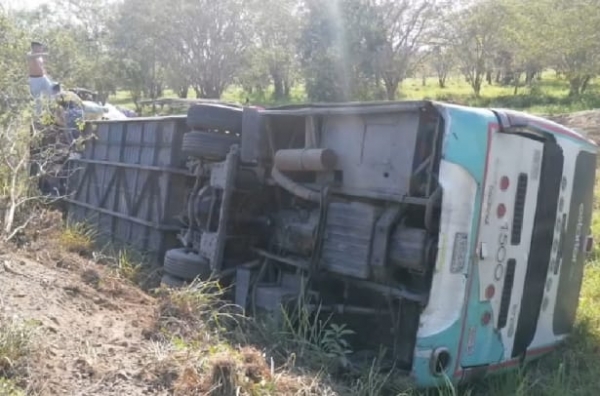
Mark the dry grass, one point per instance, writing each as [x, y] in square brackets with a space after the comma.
[17, 349]
[77, 238]
[9, 388]
[216, 349]
[15, 346]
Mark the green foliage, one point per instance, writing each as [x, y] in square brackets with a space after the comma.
[291, 50]
[13, 46]
[9, 388]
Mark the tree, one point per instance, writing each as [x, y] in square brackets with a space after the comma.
[76, 35]
[572, 39]
[442, 60]
[13, 72]
[209, 39]
[277, 27]
[337, 49]
[137, 50]
[474, 38]
[404, 24]
[19, 130]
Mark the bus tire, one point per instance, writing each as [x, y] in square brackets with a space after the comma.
[186, 265]
[207, 145]
[171, 282]
[215, 116]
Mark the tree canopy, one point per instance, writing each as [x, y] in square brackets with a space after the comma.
[337, 49]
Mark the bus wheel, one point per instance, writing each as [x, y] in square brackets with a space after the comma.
[207, 145]
[186, 265]
[215, 116]
[171, 282]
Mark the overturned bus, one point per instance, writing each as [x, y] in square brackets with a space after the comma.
[454, 236]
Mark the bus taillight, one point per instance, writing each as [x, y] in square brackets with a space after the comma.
[501, 211]
[504, 183]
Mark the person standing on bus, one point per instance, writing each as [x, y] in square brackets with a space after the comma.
[39, 83]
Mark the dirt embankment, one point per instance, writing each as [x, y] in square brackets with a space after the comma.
[88, 326]
[70, 325]
[587, 122]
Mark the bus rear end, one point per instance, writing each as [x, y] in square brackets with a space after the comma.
[534, 233]
[514, 234]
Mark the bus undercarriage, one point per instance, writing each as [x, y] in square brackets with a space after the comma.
[338, 207]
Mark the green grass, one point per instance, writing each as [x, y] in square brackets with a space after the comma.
[549, 95]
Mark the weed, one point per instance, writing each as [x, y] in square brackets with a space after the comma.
[372, 382]
[197, 312]
[78, 238]
[310, 337]
[10, 388]
[16, 346]
[127, 266]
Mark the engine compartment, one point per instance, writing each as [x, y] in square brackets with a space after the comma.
[337, 206]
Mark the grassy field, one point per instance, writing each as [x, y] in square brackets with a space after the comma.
[549, 95]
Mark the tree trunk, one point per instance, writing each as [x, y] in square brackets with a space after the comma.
[442, 82]
[391, 87]
[575, 84]
[585, 83]
[424, 80]
[529, 76]
[498, 77]
[212, 91]
[279, 90]
[516, 82]
[477, 89]
[182, 93]
[488, 77]
[476, 85]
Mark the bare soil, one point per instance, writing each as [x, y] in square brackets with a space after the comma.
[90, 326]
[587, 122]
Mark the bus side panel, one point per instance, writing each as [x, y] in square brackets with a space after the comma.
[573, 257]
